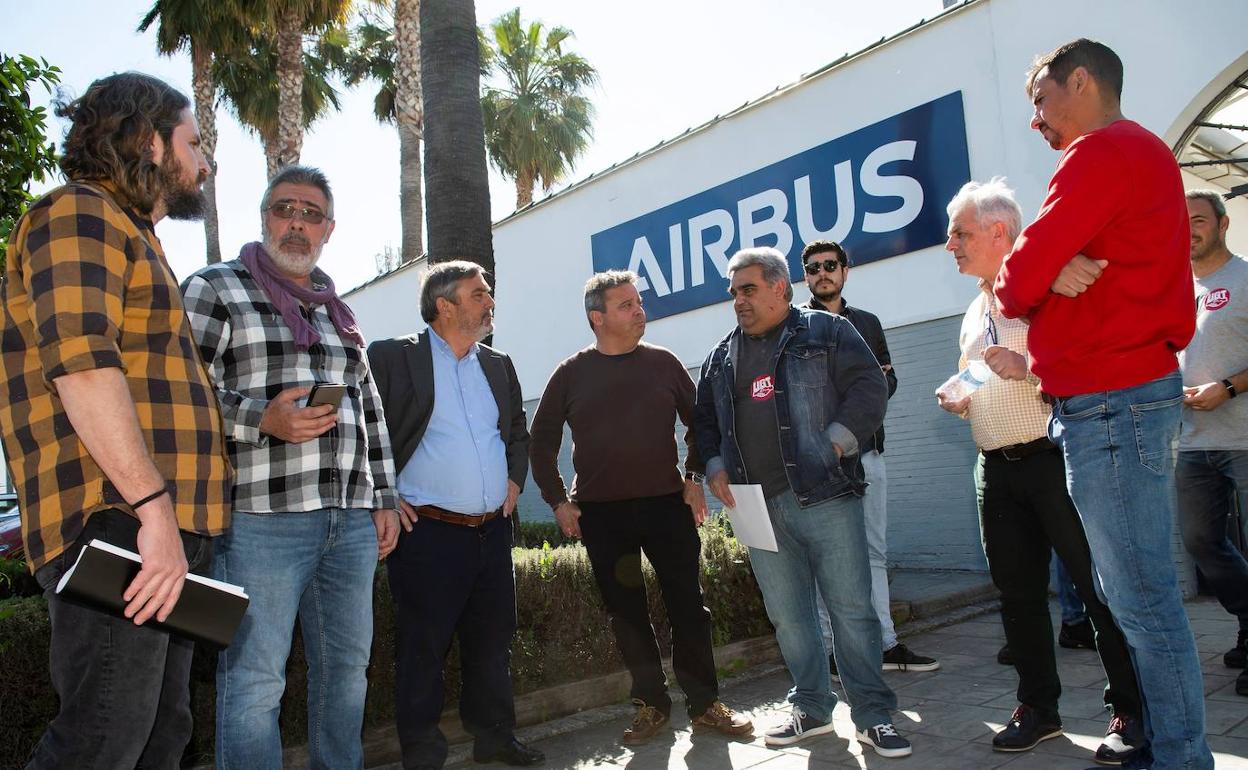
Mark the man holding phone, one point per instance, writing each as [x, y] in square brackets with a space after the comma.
[314, 495]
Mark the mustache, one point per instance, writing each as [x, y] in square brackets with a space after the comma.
[295, 238]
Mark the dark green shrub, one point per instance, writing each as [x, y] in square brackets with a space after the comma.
[16, 580]
[563, 636]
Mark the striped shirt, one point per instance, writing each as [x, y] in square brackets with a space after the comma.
[87, 287]
[252, 357]
[1003, 412]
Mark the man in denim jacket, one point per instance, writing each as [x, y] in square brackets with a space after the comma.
[784, 401]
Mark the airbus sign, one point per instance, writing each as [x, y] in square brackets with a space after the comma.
[879, 191]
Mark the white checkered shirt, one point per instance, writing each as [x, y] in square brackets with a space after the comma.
[1003, 412]
[251, 356]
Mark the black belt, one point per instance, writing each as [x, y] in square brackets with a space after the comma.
[1019, 451]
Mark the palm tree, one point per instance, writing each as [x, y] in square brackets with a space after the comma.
[207, 28]
[251, 88]
[456, 178]
[391, 55]
[288, 21]
[538, 121]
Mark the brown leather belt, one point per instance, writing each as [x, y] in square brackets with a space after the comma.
[462, 519]
[1019, 451]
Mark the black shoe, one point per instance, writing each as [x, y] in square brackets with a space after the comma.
[1079, 636]
[836, 676]
[512, 753]
[1123, 740]
[1237, 656]
[1005, 657]
[1025, 730]
[900, 658]
[1241, 683]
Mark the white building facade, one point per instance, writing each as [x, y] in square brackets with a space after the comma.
[867, 151]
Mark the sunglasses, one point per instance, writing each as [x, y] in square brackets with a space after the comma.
[828, 266]
[287, 211]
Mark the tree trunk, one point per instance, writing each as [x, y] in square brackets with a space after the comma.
[409, 115]
[205, 91]
[456, 179]
[272, 155]
[524, 188]
[289, 88]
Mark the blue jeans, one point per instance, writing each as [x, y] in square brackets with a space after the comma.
[1120, 473]
[1073, 611]
[319, 566]
[824, 546]
[1208, 481]
[875, 517]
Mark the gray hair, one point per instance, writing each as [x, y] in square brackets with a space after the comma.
[775, 266]
[597, 286]
[993, 202]
[1213, 197]
[442, 280]
[306, 175]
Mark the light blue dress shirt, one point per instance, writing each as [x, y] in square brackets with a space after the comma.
[461, 463]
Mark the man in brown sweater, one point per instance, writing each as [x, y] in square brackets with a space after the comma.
[621, 398]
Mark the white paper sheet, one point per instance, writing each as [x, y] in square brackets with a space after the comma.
[750, 522]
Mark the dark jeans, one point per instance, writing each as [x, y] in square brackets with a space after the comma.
[1207, 482]
[1025, 515]
[615, 534]
[451, 580]
[122, 687]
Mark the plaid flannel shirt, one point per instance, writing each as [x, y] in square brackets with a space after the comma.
[252, 357]
[87, 287]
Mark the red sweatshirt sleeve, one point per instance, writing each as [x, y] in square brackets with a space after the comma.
[1087, 190]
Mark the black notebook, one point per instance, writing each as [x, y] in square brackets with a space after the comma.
[208, 610]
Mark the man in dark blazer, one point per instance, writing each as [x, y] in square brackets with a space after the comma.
[457, 426]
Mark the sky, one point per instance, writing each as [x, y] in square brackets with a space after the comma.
[663, 66]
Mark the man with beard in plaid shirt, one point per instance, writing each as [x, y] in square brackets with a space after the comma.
[314, 494]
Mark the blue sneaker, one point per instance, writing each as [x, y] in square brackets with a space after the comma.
[885, 739]
[798, 727]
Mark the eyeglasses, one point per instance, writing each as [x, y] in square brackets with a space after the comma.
[287, 211]
[828, 266]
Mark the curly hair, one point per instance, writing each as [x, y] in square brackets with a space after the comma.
[110, 136]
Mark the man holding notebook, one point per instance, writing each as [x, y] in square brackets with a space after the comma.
[110, 425]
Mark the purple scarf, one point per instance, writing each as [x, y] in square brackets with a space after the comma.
[287, 295]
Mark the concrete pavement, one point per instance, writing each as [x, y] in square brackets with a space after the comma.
[950, 715]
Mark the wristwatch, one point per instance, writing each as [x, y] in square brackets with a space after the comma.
[1230, 387]
[694, 476]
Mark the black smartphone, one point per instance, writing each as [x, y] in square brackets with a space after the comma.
[327, 393]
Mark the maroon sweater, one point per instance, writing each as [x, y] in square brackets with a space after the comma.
[622, 411]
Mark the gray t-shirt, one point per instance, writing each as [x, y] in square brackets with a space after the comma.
[1219, 350]
[758, 430]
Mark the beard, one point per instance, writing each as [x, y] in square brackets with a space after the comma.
[825, 294]
[477, 328]
[182, 201]
[1210, 246]
[291, 259]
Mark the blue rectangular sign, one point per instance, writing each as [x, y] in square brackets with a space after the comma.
[879, 191]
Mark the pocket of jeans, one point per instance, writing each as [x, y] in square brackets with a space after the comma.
[1156, 426]
[1078, 408]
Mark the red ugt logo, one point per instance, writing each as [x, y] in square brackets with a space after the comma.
[762, 388]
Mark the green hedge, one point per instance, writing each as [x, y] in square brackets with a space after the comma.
[563, 636]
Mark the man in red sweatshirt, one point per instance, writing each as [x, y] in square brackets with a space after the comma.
[1102, 275]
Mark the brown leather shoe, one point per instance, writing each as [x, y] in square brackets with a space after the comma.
[648, 721]
[722, 719]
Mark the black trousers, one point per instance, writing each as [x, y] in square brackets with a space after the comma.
[451, 580]
[615, 535]
[1025, 514]
[122, 687]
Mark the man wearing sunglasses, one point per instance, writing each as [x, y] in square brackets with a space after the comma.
[314, 498]
[826, 265]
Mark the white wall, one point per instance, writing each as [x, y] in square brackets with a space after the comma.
[1177, 58]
